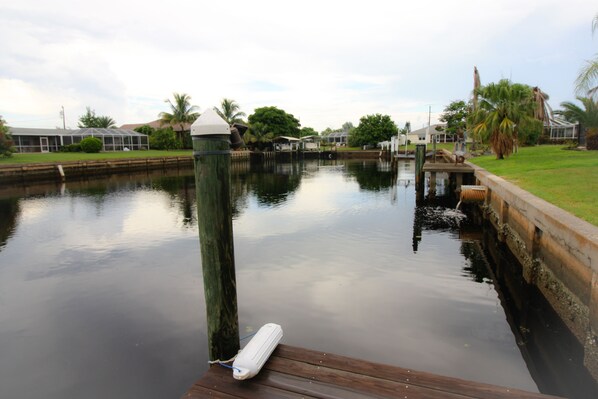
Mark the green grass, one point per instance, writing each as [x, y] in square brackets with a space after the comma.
[81, 156]
[565, 178]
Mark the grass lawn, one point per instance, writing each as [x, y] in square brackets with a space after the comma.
[565, 178]
[81, 156]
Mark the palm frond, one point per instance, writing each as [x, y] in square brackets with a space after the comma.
[587, 81]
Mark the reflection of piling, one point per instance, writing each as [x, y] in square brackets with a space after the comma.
[211, 152]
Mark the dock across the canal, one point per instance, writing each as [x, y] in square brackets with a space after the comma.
[293, 372]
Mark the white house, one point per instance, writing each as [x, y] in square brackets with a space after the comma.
[425, 134]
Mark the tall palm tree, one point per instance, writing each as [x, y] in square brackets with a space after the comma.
[503, 108]
[182, 113]
[586, 83]
[230, 111]
[587, 116]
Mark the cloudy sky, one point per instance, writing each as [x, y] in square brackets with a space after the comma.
[326, 62]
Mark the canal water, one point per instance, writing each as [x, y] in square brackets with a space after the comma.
[101, 291]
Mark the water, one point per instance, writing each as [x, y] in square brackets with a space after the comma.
[101, 293]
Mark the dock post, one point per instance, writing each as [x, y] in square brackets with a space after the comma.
[211, 155]
[420, 158]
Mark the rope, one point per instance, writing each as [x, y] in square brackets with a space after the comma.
[224, 363]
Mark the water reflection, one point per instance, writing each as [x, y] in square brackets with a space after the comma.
[9, 213]
[102, 280]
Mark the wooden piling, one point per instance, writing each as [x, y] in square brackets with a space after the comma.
[212, 158]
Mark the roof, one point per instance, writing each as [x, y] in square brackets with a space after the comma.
[433, 130]
[560, 122]
[308, 138]
[338, 134]
[157, 124]
[24, 131]
[285, 138]
[94, 131]
[27, 131]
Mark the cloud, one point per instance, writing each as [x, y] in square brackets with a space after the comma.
[325, 62]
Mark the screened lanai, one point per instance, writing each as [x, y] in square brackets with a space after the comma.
[560, 129]
[112, 139]
[338, 138]
[50, 140]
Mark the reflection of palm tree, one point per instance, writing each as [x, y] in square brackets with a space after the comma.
[230, 111]
[587, 81]
[182, 113]
[503, 108]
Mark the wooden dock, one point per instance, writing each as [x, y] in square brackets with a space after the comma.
[301, 373]
[447, 167]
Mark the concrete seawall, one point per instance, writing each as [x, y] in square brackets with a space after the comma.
[558, 252]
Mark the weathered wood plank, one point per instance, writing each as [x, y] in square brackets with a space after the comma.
[221, 380]
[447, 167]
[402, 375]
[367, 386]
[302, 373]
[197, 391]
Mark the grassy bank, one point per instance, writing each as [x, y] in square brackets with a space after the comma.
[81, 156]
[565, 178]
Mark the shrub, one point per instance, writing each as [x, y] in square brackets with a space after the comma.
[570, 144]
[76, 147]
[592, 140]
[164, 139]
[6, 142]
[91, 144]
[145, 129]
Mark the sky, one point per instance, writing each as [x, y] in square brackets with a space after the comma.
[325, 62]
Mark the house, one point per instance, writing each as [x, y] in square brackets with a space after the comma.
[310, 143]
[337, 138]
[285, 143]
[51, 140]
[425, 134]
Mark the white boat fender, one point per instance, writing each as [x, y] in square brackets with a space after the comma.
[254, 355]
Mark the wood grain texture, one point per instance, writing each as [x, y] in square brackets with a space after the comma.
[293, 372]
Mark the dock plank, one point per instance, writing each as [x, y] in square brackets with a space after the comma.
[447, 167]
[293, 372]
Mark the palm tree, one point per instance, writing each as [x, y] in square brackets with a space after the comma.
[230, 111]
[587, 117]
[105, 122]
[90, 119]
[587, 81]
[503, 108]
[182, 113]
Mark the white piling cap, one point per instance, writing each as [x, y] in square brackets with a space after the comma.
[208, 123]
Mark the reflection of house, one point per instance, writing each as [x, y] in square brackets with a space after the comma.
[50, 140]
[338, 138]
[425, 134]
[560, 129]
[285, 143]
[310, 143]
